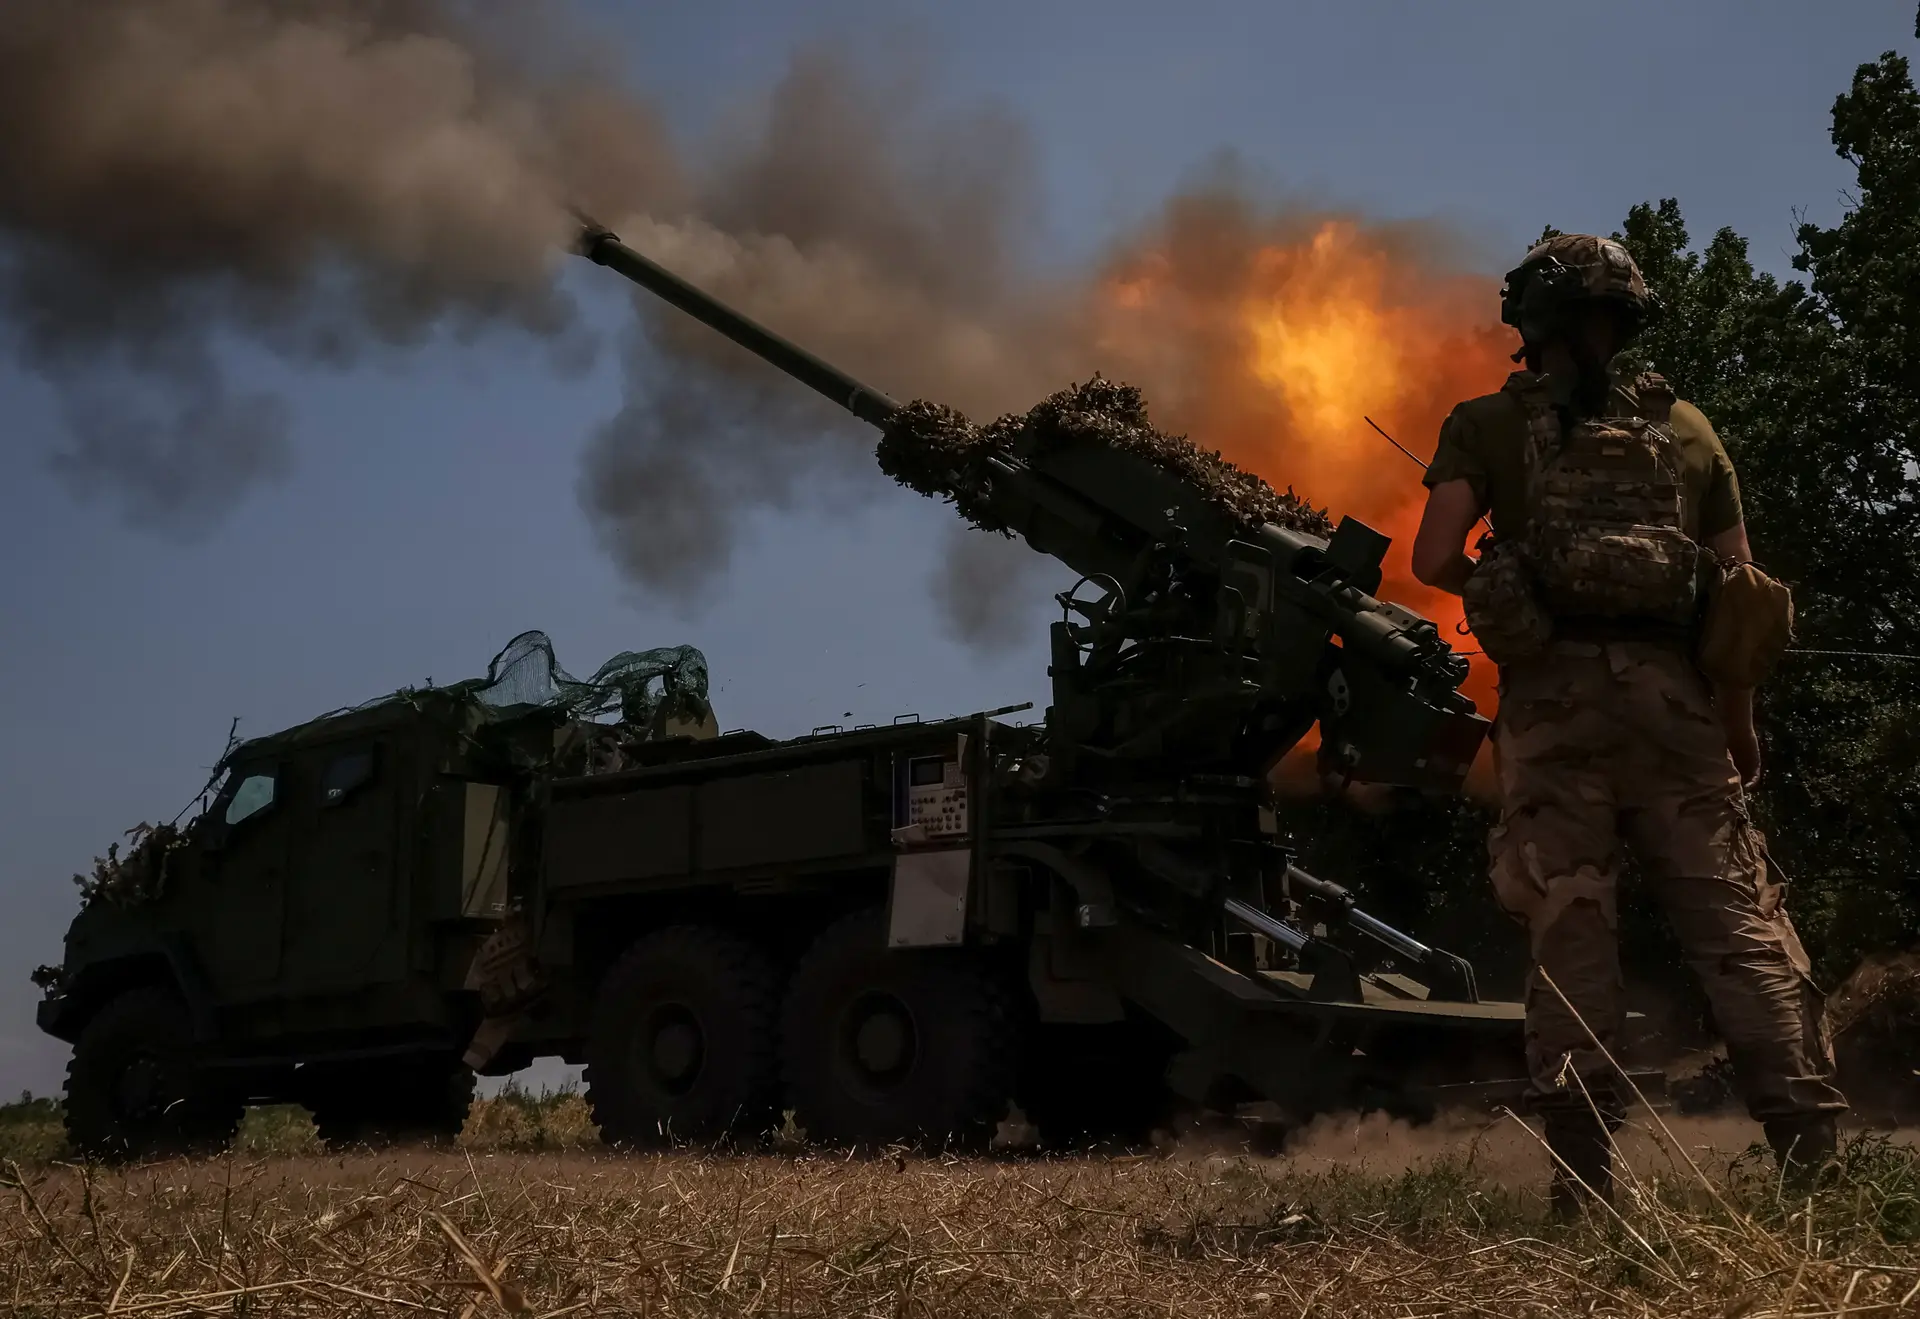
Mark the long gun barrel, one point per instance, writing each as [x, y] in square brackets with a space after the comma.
[863, 401]
[1233, 613]
[1226, 621]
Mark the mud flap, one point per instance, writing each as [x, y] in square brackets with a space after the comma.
[508, 979]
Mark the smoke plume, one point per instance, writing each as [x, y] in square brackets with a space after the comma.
[321, 177]
[884, 239]
[329, 178]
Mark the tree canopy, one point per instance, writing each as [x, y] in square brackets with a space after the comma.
[1814, 386]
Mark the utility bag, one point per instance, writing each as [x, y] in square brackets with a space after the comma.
[1502, 609]
[1747, 626]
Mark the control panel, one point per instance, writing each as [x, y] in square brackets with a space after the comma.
[932, 799]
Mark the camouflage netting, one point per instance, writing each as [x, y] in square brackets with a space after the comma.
[139, 876]
[523, 676]
[936, 451]
[525, 672]
[933, 450]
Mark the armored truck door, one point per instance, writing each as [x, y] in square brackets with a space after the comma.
[236, 922]
[345, 907]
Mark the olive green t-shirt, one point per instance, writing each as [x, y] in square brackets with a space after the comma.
[1482, 442]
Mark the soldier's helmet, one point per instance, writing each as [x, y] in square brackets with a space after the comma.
[1567, 271]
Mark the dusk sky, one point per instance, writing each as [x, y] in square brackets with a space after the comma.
[432, 508]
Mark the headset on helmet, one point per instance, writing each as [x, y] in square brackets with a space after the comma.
[1565, 271]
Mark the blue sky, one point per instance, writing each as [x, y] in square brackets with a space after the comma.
[431, 511]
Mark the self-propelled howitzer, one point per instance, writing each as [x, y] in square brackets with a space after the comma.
[1196, 638]
[888, 932]
[1124, 856]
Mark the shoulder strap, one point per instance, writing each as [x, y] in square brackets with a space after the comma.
[1654, 396]
[1653, 401]
[1543, 419]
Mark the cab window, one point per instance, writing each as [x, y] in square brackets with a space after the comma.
[343, 774]
[253, 795]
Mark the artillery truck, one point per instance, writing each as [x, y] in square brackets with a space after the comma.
[890, 933]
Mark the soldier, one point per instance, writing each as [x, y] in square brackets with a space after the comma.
[1603, 492]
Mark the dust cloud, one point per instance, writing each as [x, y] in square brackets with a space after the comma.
[1505, 1151]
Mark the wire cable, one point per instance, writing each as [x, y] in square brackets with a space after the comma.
[1855, 654]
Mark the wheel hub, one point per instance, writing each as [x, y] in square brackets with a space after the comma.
[676, 1048]
[880, 1038]
[140, 1091]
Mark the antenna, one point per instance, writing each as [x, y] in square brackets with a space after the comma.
[1411, 454]
[201, 796]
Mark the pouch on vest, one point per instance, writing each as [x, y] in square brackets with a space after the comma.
[1607, 535]
[1748, 626]
[1606, 511]
[1503, 611]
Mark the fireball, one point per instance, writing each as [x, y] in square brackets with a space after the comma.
[1272, 341]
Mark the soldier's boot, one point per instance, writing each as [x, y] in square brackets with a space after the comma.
[1582, 1146]
[1805, 1145]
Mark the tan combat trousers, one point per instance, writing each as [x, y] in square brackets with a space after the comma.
[1598, 746]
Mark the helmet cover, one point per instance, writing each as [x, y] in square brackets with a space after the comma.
[1566, 270]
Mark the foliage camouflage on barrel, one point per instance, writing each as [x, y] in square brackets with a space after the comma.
[932, 449]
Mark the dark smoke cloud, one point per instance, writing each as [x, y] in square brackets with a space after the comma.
[329, 178]
[176, 464]
[323, 177]
[981, 581]
[885, 240]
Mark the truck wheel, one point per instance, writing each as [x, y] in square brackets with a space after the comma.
[682, 1041]
[380, 1102]
[133, 1089]
[1094, 1085]
[882, 1047]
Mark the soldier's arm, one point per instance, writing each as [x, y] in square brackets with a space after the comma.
[1735, 704]
[1729, 544]
[1456, 484]
[1439, 547]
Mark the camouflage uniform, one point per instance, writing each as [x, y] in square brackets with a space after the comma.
[1609, 738]
[1599, 744]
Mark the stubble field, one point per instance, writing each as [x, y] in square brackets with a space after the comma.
[528, 1214]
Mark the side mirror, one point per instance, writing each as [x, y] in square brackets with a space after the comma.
[212, 834]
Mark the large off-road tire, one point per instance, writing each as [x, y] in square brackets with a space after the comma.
[1874, 1020]
[413, 1097]
[884, 1047]
[682, 1042]
[1095, 1085]
[133, 1088]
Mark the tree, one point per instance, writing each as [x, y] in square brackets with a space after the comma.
[1815, 389]
[1814, 385]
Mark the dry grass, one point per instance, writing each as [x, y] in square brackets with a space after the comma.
[529, 1215]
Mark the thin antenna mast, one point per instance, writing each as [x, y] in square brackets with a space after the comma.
[1411, 454]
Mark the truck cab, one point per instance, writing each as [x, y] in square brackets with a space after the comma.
[305, 935]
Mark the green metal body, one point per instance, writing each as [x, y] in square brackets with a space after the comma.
[1105, 907]
[334, 915]
[1115, 863]
[1122, 850]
